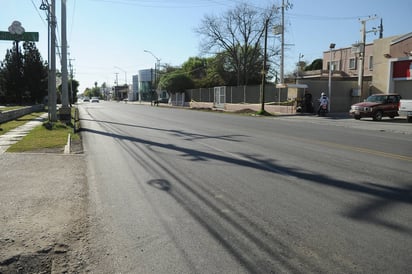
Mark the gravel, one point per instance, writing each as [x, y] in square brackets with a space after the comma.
[43, 213]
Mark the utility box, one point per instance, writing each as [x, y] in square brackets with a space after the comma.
[65, 114]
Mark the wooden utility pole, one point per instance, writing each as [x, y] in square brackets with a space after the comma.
[264, 70]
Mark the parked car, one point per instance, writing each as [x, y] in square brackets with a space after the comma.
[86, 99]
[405, 109]
[94, 100]
[377, 106]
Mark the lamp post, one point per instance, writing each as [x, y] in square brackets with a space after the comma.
[331, 47]
[157, 67]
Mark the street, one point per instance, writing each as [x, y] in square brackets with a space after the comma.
[181, 191]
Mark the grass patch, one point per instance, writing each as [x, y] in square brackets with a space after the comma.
[47, 137]
[263, 113]
[19, 121]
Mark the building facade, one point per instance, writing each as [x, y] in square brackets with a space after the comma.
[145, 85]
[134, 95]
[387, 65]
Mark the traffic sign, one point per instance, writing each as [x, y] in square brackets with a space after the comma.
[26, 36]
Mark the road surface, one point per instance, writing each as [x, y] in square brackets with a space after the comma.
[182, 191]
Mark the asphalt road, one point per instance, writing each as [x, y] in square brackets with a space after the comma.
[181, 191]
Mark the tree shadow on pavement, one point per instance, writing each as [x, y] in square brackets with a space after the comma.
[385, 196]
[224, 227]
[179, 133]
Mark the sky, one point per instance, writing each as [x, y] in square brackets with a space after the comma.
[111, 37]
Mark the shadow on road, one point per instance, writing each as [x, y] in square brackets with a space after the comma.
[385, 195]
[188, 136]
[220, 225]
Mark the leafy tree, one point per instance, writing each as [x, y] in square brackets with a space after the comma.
[214, 73]
[93, 92]
[236, 38]
[73, 89]
[35, 73]
[315, 65]
[167, 70]
[175, 82]
[195, 67]
[12, 75]
[23, 75]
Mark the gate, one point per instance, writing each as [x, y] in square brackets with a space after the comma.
[220, 97]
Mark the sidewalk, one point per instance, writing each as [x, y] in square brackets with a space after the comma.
[43, 208]
[15, 135]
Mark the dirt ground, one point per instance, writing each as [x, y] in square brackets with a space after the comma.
[43, 212]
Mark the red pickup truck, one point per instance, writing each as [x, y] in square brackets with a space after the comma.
[377, 106]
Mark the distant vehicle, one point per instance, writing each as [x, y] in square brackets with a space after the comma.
[405, 109]
[94, 100]
[377, 106]
[86, 99]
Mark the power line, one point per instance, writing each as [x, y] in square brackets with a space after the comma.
[163, 4]
[72, 23]
[37, 10]
[323, 17]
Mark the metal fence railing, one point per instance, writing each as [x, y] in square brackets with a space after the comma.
[238, 94]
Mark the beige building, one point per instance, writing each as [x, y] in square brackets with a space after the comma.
[387, 65]
[387, 68]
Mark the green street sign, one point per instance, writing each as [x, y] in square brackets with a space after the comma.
[26, 36]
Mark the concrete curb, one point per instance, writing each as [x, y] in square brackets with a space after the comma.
[67, 148]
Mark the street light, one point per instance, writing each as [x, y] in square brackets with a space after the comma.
[331, 47]
[148, 51]
[157, 66]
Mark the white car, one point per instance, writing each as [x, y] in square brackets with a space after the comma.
[94, 100]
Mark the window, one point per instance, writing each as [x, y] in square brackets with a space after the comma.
[370, 66]
[352, 63]
[335, 65]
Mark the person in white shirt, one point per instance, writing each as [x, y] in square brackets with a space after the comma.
[324, 100]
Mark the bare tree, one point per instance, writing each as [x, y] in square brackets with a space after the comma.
[238, 34]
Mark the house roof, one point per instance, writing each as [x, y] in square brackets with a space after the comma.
[401, 38]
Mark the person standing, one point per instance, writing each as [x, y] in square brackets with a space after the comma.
[323, 101]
